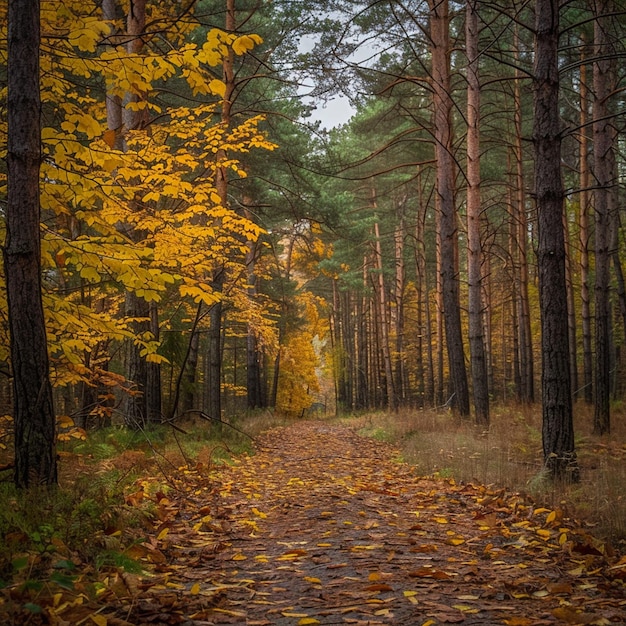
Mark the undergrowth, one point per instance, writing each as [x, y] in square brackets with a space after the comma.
[105, 502]
[510, 455]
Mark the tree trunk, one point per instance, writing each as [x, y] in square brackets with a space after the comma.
[144, 405]
[214, 378]
[397, 312]
[253, 355]
[558, 430]
[478, 357]
[526, 390]
[584, 235]
[33, 409]
[442, 102]
[214, 365]
[381, 301]
[188, 376]
[603, 173]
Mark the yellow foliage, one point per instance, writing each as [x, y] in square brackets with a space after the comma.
[148, 218]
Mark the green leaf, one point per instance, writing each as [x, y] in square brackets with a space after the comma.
[19, 563]
[63, 580]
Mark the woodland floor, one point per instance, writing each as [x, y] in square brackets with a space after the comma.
[322, 526]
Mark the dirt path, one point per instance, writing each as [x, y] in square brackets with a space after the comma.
[322, 526]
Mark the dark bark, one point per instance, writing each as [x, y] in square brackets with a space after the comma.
[33, 409]
[214, 365]
[603, 174]
[558, 430]
[584, 236]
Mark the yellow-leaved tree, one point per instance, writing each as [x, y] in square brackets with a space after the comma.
[131, 209]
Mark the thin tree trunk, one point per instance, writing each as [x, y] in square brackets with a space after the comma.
[526, 391]
[33, 406]
[398, 310]
[478, 357]
[584, 235]
[558, 430]
[253, 356]
[442, 102]
[571, 307]
[602, 153]
[381, 299]
[190, 369]
[214, 377]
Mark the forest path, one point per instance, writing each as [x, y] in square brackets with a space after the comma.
[322, 526]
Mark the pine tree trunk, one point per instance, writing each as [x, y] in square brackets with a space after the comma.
[526, 390]
[558, 430]
[442, 102]
[381, 302]
[478, 357]
[584, 235]
[33, 407]
[602, 153]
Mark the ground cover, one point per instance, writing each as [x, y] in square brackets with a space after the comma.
[323, 526]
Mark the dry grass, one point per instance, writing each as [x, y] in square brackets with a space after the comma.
[509, 455]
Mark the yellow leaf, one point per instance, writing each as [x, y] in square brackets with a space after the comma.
[311, 579]
[308, 620]
[259, 513]
[218, 87]
[454, 541]
[551, 517]
[163, 534]
[195, 590]
[239, 557]
[98, 619]
[242, 44]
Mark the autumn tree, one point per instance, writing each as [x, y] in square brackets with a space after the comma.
[33, 415]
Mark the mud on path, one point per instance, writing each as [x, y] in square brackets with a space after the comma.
[322, 526]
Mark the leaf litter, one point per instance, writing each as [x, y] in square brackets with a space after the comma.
[322, 526]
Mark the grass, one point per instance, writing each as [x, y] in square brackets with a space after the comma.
[510, 455]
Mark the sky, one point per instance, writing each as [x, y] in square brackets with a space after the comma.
[333, 113]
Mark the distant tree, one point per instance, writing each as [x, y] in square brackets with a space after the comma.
[35, 455]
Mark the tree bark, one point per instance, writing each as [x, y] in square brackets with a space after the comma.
[442, 102]
[558, 430]
[381, 301]
[584, 235]
[478, 357]
[33, 407]
[603, 173]
[214, 378]
[526, 389]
